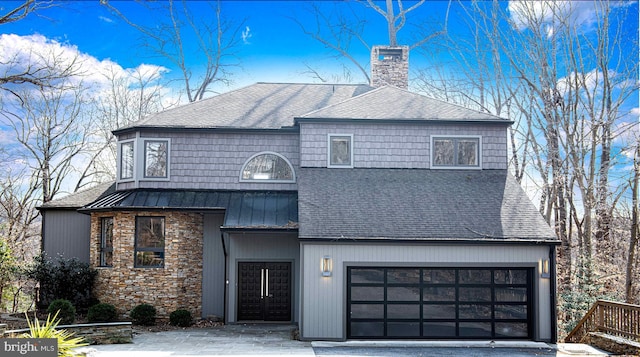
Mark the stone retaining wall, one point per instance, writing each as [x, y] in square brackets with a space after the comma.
[617, 345]
[93, 334]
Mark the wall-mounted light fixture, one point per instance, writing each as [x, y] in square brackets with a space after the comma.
[545, 273]
[325, 265]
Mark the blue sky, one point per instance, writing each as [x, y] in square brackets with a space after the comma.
[275, 48]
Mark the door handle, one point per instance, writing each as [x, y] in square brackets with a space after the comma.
[261, 283]
[267, 283]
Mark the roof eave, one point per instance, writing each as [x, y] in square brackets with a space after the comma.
[524, 241]
[402, 121]
[291, 129]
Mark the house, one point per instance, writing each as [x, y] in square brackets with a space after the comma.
[355, 211]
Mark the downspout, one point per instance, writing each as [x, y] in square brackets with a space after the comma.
[226, 278]
[553, 299]
[42, 229]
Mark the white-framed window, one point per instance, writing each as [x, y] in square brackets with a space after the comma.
[456, 152]
[144, 159]
[340, 150]
[156, 158]
[269, 167]
[127, 160]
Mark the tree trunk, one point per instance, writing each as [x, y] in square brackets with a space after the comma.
[633, 240]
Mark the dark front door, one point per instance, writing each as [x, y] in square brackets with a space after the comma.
[264, 291]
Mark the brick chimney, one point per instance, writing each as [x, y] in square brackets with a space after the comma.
[390, 66]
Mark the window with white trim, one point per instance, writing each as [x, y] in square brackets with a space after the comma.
[126, 160]
[340, 150]
[156, 158]
[455, 152]
[144, 159]
[267, 167]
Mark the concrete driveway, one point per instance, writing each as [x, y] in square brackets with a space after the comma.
[275, 340]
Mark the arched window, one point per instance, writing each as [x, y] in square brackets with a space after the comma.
[267, 166]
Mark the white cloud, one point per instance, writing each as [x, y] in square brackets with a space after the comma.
[246, 35]
[582, 14]
[105, 19]
[18, 52]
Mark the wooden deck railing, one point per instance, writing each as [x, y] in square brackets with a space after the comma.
[614, 318]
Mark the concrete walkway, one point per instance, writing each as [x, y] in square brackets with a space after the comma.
[275, 340]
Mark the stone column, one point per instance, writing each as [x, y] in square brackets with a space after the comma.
[3, 328]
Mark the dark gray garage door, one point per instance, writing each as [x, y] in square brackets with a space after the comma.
[439, 303]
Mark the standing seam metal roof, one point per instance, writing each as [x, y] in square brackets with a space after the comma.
[243, 209]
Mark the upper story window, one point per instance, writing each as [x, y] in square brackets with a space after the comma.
[267, 167]
[126, 160]
[340, 150]
[455, 152]
[143, 159]
[149, 246]
[156, 158]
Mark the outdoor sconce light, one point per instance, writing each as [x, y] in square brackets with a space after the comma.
[545, 269]
[326, 265]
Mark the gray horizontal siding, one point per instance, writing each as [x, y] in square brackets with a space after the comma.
[399, 145]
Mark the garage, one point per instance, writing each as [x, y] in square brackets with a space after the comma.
[439, 303]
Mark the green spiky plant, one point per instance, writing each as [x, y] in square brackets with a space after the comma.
[66, 342]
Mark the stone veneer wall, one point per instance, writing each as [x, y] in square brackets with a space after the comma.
[178, 285]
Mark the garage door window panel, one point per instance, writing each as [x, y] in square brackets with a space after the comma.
[367, 311]
[403, 329]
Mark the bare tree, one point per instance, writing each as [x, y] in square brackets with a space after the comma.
[217, 40]
[37, 69]
[342, 31]
[21, 10]
[128, 97]
[634, 229]
[51, 133]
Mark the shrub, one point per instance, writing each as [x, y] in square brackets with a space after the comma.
[180, 317]
[66, 342]
[143, 314]
[102, 313]
[61, 278]
[64, 309]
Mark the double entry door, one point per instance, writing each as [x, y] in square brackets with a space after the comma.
[264, 291]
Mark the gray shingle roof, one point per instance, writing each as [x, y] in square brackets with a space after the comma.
[258, 106]
[410, 204]
[393, 103]
[81, 198]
